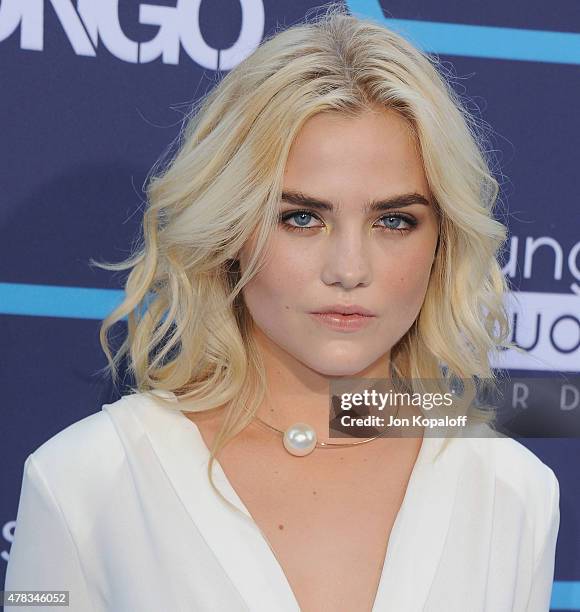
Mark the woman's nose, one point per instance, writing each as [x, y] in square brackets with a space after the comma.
[347, 260]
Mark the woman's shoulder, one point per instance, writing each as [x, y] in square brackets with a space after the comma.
[512, 460]
[516, 472]
[86, 453]
[83, 440]
[92, 435]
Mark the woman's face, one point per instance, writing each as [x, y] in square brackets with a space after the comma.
[379, 259]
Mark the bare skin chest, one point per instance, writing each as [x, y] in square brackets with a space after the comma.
[328, 516]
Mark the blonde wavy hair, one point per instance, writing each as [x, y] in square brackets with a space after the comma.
[189, 331]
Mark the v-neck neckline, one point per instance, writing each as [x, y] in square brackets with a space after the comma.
[415, 542]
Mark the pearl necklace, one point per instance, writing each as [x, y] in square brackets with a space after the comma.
[300, 439]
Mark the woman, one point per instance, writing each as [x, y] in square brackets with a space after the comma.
[333, 171]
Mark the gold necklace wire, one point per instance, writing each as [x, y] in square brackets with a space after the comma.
[327, 445]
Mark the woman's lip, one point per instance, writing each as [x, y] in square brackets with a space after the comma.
[340, 322]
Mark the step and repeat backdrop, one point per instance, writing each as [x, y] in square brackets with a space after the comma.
[92, 93]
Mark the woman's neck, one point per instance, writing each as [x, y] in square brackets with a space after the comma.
[297, 393]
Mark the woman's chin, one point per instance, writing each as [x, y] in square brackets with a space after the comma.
[336, 368]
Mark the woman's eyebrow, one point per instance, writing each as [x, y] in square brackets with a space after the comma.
[398, 201]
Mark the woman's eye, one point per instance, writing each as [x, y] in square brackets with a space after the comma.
[301, 220]
[397, 222]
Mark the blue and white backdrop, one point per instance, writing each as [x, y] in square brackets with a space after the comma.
[92, 92]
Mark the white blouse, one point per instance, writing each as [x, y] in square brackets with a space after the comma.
[118, 510]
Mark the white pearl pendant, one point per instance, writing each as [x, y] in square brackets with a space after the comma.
[299, 439]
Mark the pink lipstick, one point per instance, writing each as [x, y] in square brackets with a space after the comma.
[344, 318]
